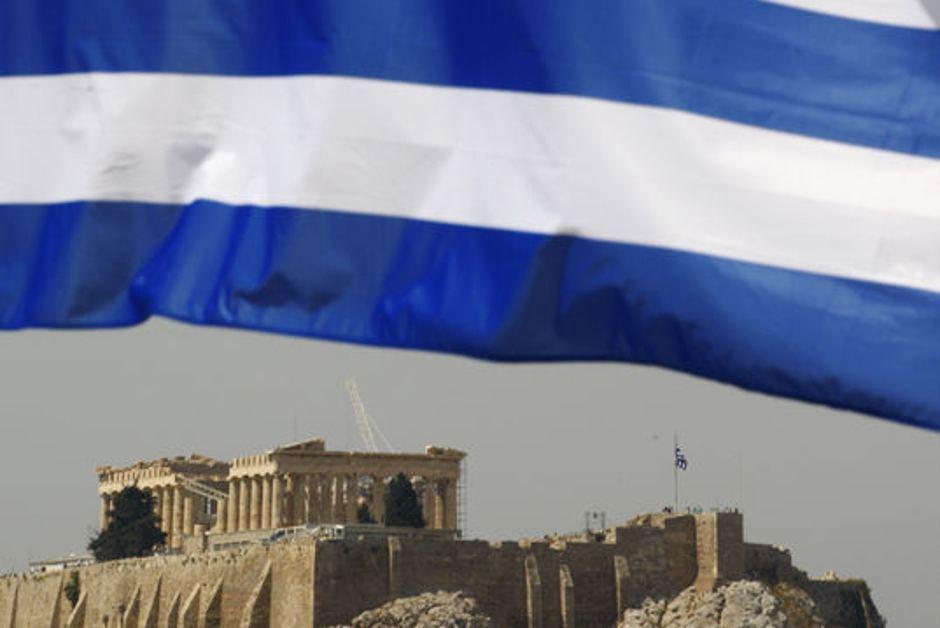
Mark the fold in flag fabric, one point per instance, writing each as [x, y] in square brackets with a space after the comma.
[742, 190]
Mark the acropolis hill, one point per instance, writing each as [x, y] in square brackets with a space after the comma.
[271, 540]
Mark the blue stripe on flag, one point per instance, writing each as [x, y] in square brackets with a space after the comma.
[740, 60]
[495, 294]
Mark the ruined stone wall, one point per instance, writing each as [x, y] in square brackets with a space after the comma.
[770, 564]
[213, 590]
[25, 603]
[562, 583]
[352, 576]
[511, 582]
[681, 543]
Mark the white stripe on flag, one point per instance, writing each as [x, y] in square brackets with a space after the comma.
[546, 164]
[910, 13]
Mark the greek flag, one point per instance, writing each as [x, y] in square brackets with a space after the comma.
[681, 463]
[742, 190]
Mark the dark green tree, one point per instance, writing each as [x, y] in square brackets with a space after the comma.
[401, 504]
[72, 589]
[133, 528]
[363, 514]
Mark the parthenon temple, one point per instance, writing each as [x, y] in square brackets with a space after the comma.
[287, 486]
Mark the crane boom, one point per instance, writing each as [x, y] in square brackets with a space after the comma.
[362, 417]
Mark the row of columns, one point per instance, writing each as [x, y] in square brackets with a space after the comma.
[264, 502]
[176, 507]
[275, 501]
[177, 511]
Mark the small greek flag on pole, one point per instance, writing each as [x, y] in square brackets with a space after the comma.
[681, 462]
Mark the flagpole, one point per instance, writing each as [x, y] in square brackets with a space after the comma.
[675, 471]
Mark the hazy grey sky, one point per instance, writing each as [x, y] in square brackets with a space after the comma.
[545, 442]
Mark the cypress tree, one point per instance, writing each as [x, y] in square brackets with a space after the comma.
[364, 515]
[133, 528]
[401, 504]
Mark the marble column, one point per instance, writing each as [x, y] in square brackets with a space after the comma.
[254, 509]
[188, 514]
[266, 502]
[352, 499]
[299, 499]
[166, 512]
[277, 496]
[337, 514]
[244, 500]
[325, 498]
[289, 488]
[329, 497]
[430, 501]
[177, 530]
[317, 493]
[439, 516]
[450, 505]
[103, 510]
[232, 510]
[378, 499]
[221, 517]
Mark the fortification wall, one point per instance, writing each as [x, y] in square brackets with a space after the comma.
[532, 583]
[212, 590]
[512, 582]
[769, 563]
[720, 549]
[320, 583]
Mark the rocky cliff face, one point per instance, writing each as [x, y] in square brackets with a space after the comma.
[752, 604]
[429, 610]
[741, 604]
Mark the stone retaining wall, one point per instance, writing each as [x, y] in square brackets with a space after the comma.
[303, 583]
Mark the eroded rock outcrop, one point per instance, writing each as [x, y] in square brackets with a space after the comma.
[740, 604]
[429, 610]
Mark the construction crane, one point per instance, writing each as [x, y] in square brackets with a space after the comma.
[366, 426]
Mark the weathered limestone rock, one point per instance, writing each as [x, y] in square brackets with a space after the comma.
[430, 610]
[741, 603]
